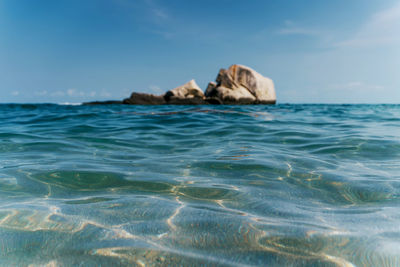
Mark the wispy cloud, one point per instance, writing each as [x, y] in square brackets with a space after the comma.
[105, 93]
[357, 86]
[73, 93]
[159, 13]
[15, 93]
[291, 28]
[154, 17]
[57, 94]
[382, 29]
[161, 19]
[41, 93]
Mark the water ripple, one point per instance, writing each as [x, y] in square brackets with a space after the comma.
[284, 185]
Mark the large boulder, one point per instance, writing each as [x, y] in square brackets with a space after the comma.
[241, 85]
[186, 94]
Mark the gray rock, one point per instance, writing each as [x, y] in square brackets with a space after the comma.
[144, 99]
[210, 89]
[187, 101]
[107, 102]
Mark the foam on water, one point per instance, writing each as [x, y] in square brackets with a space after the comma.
[284, 185]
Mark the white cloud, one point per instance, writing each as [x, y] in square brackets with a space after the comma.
[75, 93]
[72, 92]
[15, 93]
[382, 29]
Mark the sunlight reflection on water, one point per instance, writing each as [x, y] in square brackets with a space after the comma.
[284, 185]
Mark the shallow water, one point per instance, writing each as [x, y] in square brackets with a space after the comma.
[284, 185]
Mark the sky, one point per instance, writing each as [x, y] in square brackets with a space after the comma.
[342, 51]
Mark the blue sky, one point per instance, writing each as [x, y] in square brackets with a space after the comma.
[315, 51]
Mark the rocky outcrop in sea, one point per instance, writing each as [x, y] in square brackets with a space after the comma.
[237, 85]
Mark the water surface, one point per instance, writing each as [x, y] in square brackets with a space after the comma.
[284, 185]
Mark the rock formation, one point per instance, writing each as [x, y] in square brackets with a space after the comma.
[187, 94]
[144, 99]
[107, 102]
[234, 86]
[241, 85]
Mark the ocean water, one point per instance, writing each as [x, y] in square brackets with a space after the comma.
[283, 185]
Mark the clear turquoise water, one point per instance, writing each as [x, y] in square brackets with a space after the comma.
[284, 185]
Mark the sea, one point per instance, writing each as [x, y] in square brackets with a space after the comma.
[263, 185]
